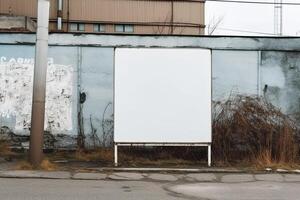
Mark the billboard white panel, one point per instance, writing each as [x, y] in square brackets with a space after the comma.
[162, 95]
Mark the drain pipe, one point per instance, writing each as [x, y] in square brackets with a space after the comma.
[39, 85]
[59, 14]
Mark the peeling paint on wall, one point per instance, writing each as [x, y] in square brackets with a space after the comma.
[16, 77]
[280, 78]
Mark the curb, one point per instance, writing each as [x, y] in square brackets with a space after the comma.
[169, 170]
[195, 170]
[162, 175]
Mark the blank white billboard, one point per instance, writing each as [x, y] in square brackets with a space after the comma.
[162, 95]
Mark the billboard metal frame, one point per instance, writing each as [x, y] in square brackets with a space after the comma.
[157, 144]
[208, 145]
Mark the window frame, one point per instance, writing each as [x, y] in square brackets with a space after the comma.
[78, 27]
[97, 28]
[124, 28]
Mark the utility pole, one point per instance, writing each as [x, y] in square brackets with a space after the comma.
[39, 85]
[278, 17]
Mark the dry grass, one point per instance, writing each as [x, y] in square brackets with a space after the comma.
[135, 156]
[99, 154]
[5, 150]
[162, 156]
[247, 132]
[45, 165]
[265, 160]
[144, 162]
[23, 165]
[251, 130]
[48, 165]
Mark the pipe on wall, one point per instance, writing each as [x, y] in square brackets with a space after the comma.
[59, 14]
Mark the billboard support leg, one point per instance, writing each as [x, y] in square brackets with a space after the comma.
[116, 155]
[209, 155]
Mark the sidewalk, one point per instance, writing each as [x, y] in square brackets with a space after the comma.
[161, 176]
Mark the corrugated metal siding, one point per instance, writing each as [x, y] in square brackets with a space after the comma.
[152, 29]
[140, 13]
[168, 30]
[188, 30]
[113, 10]
[120, 10]
[4, 6]
[189, 12]
[136, 11]
[25, 7]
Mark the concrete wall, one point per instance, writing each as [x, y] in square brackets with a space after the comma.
[16, 70]
[84, 64]
[16, 23]
[280, 80]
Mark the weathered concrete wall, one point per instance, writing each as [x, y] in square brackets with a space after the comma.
[280, 80]
[71, 71]
[84, 65]
[16, 77]
[96, 81]
[234, 71]
[16, 23]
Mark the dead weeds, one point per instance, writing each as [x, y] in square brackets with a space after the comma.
[23, 165]
[247, 132]
[46, 165]
[5, 150]
[252, 130]
[98, 154]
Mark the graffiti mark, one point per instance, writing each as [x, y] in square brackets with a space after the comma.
[16, 77]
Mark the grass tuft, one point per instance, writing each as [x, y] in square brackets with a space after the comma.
[45, 165]
[48, 165]
[23, 165]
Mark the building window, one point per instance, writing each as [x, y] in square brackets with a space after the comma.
[128, 28]
[80, 27]
[76, 27]
[121, 28]
[99, 28]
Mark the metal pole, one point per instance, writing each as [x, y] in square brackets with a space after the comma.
[59, 14]
[172, 17]
[209, 155]
[116, 154]
[281, 18]
[39, 84]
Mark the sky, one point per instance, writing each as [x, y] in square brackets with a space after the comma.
[252, 17]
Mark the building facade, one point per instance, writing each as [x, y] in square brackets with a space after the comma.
[156, 17]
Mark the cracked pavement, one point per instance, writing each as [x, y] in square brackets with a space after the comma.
[148, 185]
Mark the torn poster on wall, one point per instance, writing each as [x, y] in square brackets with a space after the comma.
[16, 81]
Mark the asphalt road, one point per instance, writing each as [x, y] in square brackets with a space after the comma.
[44, 189]
[240, 191]
[32, 189]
